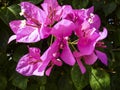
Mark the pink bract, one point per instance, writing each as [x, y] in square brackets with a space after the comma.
[33, 28]
[30, 63]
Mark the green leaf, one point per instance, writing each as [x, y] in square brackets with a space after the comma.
[32, 87]
[80, 80]
[109, 8]
[65, 82]
[80, 3]
[99, 80]
[3, 82]
[33, 1]
[98, 4]
[51, 86]
[117, 1]
[42, 87]
[3, 39]
[19, 81]
[118, 13]
[10, 13]
[117, 57]
[115, 81]
[3, 59]
[41, 80]
[116, 37]
[15, 9]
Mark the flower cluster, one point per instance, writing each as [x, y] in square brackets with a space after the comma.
[59, 22]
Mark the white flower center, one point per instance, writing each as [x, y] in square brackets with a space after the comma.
[22, 12]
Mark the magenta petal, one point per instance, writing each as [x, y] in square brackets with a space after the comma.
[67, 55]
[28, 64]
[34, 52]
[76, 54]
[24, 33]
[13, 37]
[57, 62]
[102, 57]
[48, 71]
[44, 32]
[63, 28]
[16, 25]
[86, 45]
[66, 10]
[96, 22]
[52, 3]
[52, 10]
[81, 66]
[90, 59]
[48, 54]
[37, 73]
[32, 12]
[25, 66]
[90, 10]
[85, 25]
[28, 35]
[103, 34]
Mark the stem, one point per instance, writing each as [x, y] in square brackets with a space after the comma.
[51, 40]
[72, 44]
[73, 47]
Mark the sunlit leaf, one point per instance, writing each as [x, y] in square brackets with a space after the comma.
[99, 80]
[9, 13]
[33, 1]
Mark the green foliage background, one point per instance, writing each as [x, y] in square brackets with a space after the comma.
[97, 77]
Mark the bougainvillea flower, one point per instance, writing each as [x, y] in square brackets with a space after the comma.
[87, 50]
[62, 30]
[60, 22]
[87, 41]
[51, 7]
[33, 28]
[91, 18]
[30, 63]
[54, 11]
[90, 59]
[49, 54]
[59, 50]
[84, 19]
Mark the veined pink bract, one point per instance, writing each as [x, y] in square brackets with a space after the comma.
[30, 63]
[33, 28]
